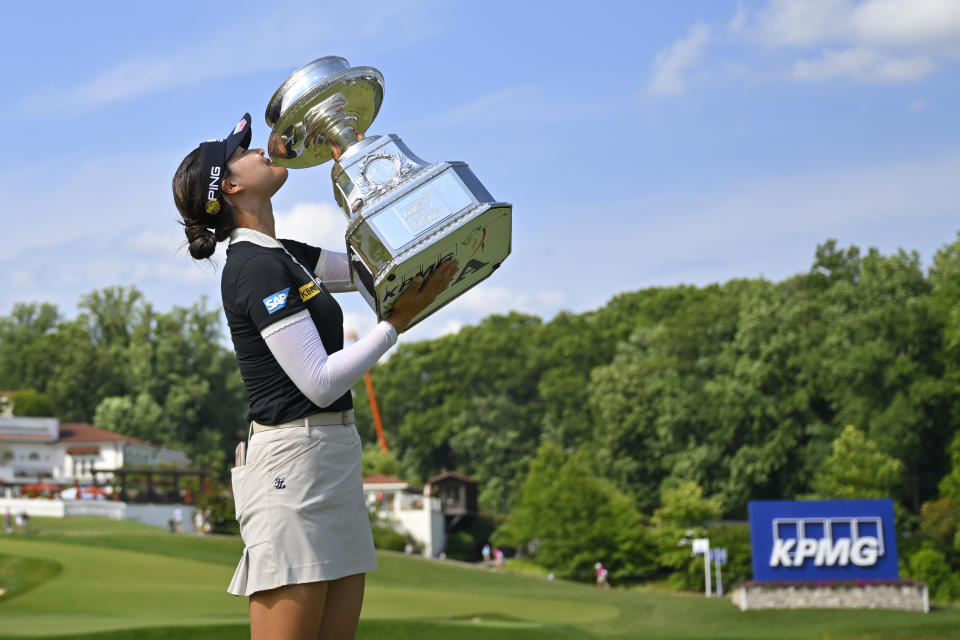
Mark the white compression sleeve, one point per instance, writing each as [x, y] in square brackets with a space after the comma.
[321, 377]
[333, 269]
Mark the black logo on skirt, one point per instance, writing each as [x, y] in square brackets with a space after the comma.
[279, 483]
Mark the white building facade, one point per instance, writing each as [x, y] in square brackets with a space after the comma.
[407, 510]
[42, 450]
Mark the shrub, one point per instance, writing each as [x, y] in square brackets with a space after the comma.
[931, 566]
[462, 546]
[387, 539]
[29, 402]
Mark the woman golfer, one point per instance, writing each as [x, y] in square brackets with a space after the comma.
[299, 493]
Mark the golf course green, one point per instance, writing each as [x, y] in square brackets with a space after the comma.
[95, 578]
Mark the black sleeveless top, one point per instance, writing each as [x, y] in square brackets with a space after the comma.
[261, 287]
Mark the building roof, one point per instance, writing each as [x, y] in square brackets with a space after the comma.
[379, 478]
[451, 474]
[80, 451]
[83, 432]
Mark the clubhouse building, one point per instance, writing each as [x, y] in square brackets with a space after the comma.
[46, 451]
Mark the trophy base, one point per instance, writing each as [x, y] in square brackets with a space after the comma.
[406, 216]
[478, 238]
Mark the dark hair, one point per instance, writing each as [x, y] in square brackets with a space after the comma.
[189, 191]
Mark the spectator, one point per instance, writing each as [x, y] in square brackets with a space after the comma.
[486, 553]
[177, 520]
[601, 572]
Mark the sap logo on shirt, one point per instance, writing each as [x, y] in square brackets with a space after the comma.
[276, 301]
[826, 550]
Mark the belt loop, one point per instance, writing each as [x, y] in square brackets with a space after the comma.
[306, 423]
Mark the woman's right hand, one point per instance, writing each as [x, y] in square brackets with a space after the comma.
[420, 294]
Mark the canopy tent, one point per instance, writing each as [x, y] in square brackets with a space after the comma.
[83, 493]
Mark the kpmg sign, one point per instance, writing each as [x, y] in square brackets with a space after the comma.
[823, 540]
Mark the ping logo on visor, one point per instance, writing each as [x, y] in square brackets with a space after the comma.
[214, 160]
[276, 301]
[214, 155]
[213, 190]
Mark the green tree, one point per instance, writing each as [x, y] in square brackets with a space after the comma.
[950, 484]
[376, 460]
[573, 519]
[138, 417]
[30, 402]
[939, 525]
[857, 469]
[930, 566]
[684, 505]
[682, 516]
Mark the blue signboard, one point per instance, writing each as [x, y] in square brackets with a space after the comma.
[823, 540]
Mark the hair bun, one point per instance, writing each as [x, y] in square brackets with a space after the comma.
[201, 241]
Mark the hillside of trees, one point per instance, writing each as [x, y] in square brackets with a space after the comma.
[672, 405]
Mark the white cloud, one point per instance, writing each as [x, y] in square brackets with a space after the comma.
[318, 223]
[767, 218]
[739, 19]
[385, 24]
[154, 241]
[907, 23]
[485, 299]
[672, 63]
[863, 64]
[897, 23]
[22, 279]
[917, 105]
[800, 22]
[357, 324]
[452, 327]
[503, 103]
[869, 41]
[502, 106]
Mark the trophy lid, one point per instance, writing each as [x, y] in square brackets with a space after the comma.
[315, 105]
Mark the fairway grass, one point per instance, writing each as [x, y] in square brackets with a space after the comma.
[123, 580]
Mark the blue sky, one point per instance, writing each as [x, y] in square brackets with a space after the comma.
[641, 143]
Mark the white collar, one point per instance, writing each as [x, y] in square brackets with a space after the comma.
[241, 234]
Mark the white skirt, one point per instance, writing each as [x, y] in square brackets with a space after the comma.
[299, 501]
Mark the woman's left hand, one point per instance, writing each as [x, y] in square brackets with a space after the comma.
[420, 294]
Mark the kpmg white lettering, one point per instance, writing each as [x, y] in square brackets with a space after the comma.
[214, 183]
[826, 550]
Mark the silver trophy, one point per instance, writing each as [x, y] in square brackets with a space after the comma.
[405, 215]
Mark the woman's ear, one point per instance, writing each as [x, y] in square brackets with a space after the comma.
[230, 187]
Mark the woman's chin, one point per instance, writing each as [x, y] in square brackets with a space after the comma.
[281, 178]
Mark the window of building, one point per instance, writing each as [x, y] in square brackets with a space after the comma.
[34, 455]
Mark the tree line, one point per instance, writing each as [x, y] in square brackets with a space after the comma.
[712, 396]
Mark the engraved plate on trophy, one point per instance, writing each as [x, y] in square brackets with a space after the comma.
[404, 215]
